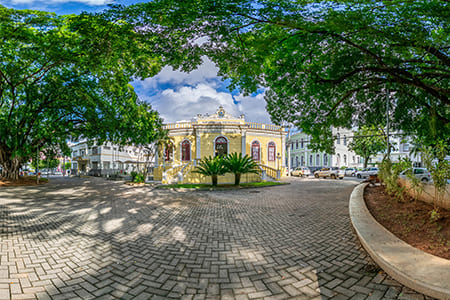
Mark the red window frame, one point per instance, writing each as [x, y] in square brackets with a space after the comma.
[271, 151]
[256, 150]
[186, 150]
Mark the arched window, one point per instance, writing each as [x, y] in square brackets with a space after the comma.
[338, 138]
[325, 160]
[296, 144]
[186, 150]
[296, 161]
[302, 161]
[345, 140]
[292, 162]
[302, 143]
[338, 162]
[221, 146]
[271, 150]
[255, 150]
[317, 160]
[310, 160]
[345, 159]
[168, 152]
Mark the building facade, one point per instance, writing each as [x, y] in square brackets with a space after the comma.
[300, 155]
[219, 134]
[105, 159]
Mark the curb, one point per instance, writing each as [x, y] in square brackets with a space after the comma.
[418, 270]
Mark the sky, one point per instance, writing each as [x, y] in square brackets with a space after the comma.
[177, 96]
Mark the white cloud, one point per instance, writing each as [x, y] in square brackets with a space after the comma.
[207, 71]
[198, 92]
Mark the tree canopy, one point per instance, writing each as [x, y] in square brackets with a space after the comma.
[327, 63]
[68, 76]
[368, 141]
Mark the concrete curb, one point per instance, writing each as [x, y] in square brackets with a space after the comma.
[413, 268]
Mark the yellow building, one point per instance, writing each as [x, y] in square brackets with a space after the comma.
[220, 134]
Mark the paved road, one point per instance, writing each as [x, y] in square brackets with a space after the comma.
[96, 239]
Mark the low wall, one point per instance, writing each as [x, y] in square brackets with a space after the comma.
[428, 193]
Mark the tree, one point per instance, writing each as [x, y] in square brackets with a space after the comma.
[67, 77]
[211, 166]
[327, 63]
[368, 141]
[237, 164]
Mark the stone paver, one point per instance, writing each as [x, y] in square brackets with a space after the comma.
[96, 239]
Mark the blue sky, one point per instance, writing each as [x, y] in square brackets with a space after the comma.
[175, 95]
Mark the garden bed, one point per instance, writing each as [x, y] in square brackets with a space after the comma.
[410, 221]
[23, 180]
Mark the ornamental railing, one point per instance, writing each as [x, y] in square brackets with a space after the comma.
[251, 125]
[271, 172]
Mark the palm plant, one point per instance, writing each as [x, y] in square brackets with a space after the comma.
[211, 166]
[237, 164]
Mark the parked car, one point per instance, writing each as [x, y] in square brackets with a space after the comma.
[367, 172]
[350, 172]
[301, 171]
[332, 172]
[421, 173]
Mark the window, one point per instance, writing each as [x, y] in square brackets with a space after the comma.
[310, 160]
[186, 150]
[271, 151]
[345, 140]
[302, 161]
[255, 150]
[95, 151]
[296, 144]
[325, 160]
[345, 160]
[106, 147]
[296, 161]
[75, 153]
[221, 146]
[353, 159]
[338, 161]
[317, 160]
[292, 162]
[292, 146]
[106, 165]
[405, 147]
[168, 152]
[338, 138]
[302, 144]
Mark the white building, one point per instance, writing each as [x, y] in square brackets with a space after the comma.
[105, 159]
[299, 154]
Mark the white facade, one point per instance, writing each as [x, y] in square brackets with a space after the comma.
[105, 159]
[300, 154]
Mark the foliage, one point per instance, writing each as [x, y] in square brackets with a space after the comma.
[67, 77]
[416, 185]
[389, 174]
[139, 178]
[368, 141]
[68, 165]
[50, 163]
[133, 175]
[237, 164]
[211, 166]
[439, 168]
[323, 63]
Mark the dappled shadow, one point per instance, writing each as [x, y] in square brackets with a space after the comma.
[91, 237]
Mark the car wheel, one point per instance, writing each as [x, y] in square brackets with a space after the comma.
[341, 178]
[424, 179]
[359, 176]
[316, 175]
[333, 176]
[353, 174]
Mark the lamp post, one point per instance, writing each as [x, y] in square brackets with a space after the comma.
[278, 166]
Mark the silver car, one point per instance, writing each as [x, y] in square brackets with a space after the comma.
[301, 171]
[367, 172]
[421, 173]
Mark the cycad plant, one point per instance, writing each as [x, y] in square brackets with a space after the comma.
[237, 164]
[211, 166]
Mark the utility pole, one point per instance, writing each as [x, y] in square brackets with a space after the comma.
[387, 125]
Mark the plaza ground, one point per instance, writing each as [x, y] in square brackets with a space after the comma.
[97, 239]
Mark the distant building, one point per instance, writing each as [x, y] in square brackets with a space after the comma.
[105, 159]
[299, 153]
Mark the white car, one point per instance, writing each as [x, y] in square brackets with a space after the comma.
[350, 172]
[367, 172]
[301, 171]
[332, 172]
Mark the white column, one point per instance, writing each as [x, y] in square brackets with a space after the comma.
[244, 142]
[283, 151]
[197, 146]
[156, 155]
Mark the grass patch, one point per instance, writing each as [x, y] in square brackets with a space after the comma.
[221, 186]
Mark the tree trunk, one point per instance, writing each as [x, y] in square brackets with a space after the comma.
[366, 160]
[10, 165]
[237, 178]
[214, 180]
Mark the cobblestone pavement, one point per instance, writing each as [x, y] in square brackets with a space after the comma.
[96, 239]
